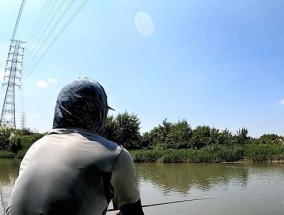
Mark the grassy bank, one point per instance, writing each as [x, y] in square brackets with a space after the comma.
[212, 154]
[7, 154]
[209, 154]
[19, 145]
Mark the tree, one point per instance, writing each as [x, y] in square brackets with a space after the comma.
[124, 129]
[269, 139]
[200, 137]
[225, 137]
[156, 137]
[179, 135]
[110, 130]
[6, 138]
[168, 135]
[242, 136]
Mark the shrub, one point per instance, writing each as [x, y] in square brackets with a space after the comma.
[6, 154]
[146, 155]
[258, 153]
[5, 138]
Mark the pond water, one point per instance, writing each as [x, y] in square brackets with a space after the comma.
[235, 189]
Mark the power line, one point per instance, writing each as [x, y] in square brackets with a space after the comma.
[52, 29]
[18, 19]
[40, 29]
[39, 19]
[58, 35]
[51, 19]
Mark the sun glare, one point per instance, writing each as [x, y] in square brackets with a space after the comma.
[144, 24]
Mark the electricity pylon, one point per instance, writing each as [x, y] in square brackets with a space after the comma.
[13, 71]
[23, 121]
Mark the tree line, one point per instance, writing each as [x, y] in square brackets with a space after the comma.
[125, 130]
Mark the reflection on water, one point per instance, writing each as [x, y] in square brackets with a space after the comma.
[182, 177]
[8, 171]
[8, 174]
[250, 189]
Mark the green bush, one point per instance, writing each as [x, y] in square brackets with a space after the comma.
[209, 154]
[263, 152]
[176, 156]
[21, 153]
[6, 154]
[6, 136]
[146, 155]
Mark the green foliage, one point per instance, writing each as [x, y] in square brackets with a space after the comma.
[200, 137]
[15, 142]
[242, 136]
[168, 135]
[146, 155]
[177, 156]
[156, 137]
[21, 153]
[110, 130]
[178, 136]
[168, 142]
[258, 153]
[7, 154]
[148, 141]
[209, 154]
[270, 139]
[124, 129]
[6, 138]
[219, 153]
[224, 137]
[27, 140]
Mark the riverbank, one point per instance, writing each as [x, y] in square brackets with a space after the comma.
[8, 154]
[213, 154]
[209, 154]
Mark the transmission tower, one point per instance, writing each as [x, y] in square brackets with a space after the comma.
[13, 71]
[23, 121]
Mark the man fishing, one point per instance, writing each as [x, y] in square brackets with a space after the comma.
[73, 170]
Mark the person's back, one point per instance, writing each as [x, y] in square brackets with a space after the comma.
[74, 171]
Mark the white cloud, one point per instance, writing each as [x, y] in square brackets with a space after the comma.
[41, 84]
[51, 81]
[282, 101]
[144, 24]
[45, 84]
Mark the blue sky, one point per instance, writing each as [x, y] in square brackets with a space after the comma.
[212, 62]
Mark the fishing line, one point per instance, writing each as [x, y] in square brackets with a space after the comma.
[166, 203]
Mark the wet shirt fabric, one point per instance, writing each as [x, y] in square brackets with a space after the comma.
[72, 172]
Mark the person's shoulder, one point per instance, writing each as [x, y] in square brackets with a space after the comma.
[124, 157]
[91, 136]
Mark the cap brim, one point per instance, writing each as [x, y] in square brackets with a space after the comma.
[110, 108]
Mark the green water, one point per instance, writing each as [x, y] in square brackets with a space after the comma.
[237, 189]
[8, 173]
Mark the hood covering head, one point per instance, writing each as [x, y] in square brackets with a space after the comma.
[81, 104]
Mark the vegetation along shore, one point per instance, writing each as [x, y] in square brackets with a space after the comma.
[168, 142]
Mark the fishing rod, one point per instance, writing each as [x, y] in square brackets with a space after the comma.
[166, 203]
